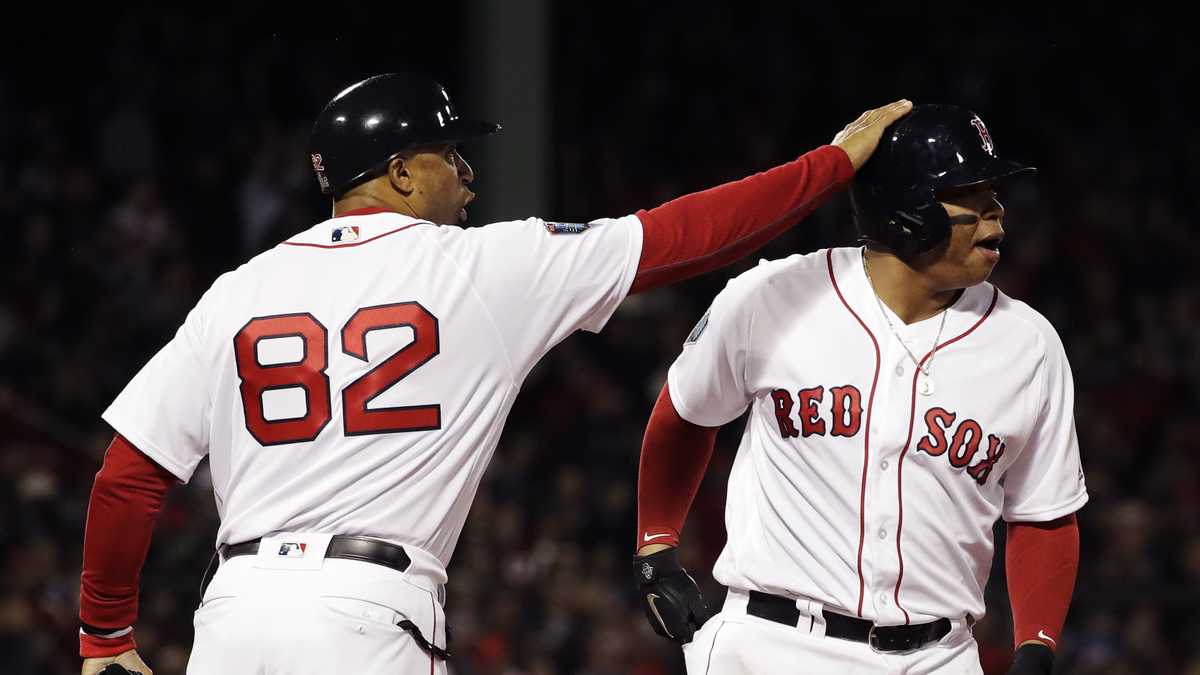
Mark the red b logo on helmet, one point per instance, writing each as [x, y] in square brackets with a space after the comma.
[984, 136]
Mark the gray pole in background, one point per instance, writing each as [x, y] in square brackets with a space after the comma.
[505, 61]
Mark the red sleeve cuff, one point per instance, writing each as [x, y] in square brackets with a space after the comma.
[843, 167]
[92, 647]
[658, 534]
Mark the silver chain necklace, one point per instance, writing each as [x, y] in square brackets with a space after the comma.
[925, 382]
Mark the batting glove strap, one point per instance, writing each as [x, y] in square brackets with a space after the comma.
[93, 646]
[1032, 660]
[653, 567]
[669, 596]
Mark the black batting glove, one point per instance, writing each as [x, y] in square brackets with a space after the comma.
[670, 596]
[1032, 659]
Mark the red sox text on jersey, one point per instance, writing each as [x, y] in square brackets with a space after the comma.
[960, 443]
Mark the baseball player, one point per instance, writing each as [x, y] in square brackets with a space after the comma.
[349, 385]
[899, 405]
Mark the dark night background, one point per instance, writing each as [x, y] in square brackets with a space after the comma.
[144, 151]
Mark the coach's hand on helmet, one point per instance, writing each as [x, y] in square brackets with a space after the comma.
[861, 136]
[670, 596]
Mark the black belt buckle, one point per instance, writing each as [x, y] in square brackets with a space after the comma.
[873, 640]
[891, 641]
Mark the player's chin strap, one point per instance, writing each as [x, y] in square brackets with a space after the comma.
[411, 628]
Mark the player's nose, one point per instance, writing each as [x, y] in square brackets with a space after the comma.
[465, 173]
[994, 210]
[994, 216]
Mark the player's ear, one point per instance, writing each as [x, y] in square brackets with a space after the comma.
[400, 176]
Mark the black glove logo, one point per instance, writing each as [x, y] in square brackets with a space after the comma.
[670, 597]
[650, 598]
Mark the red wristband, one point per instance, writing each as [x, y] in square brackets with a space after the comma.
[92, 647]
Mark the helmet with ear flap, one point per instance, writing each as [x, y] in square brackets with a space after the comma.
[933, 149]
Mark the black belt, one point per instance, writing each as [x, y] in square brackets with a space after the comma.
[881, 638]
[341, 546]
[346, 547]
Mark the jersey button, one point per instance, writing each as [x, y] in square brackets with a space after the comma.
[883, 534]
[883, 465]
[883, 600]
[899, 369]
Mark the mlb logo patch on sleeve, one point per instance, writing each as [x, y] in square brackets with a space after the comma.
[567, 228]
[345, 234]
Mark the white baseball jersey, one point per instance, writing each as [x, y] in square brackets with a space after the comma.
[851, 487]
[355, 378]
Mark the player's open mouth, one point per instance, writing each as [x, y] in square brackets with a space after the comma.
[991, 243]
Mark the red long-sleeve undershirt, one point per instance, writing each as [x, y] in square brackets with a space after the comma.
[126, 498]
[682, 238]
[702, 231]
[675, 455]
[1042, 558]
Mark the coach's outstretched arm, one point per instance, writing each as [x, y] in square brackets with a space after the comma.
[703, 231]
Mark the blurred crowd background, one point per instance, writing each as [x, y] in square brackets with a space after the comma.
[143, 154]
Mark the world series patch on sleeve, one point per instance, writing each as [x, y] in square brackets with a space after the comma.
[567, 228]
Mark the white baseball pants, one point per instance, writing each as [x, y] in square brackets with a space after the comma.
[266, 615]
[734, 642]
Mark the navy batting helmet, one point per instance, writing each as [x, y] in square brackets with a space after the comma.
[933, 149]
[369, 123]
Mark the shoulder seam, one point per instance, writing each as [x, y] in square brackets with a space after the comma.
[749, 350]
[512, 373]
[1037, 405]
[781, 266]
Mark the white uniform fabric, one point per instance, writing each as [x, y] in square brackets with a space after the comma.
[340, 616]
[465, 313]
[850, 488]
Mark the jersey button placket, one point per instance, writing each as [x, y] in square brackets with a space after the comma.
[891, 399]
[903, 361]
[888, 427]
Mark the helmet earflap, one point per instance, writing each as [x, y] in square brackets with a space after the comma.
[923, 223]
[932, 149]
[916, 224]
